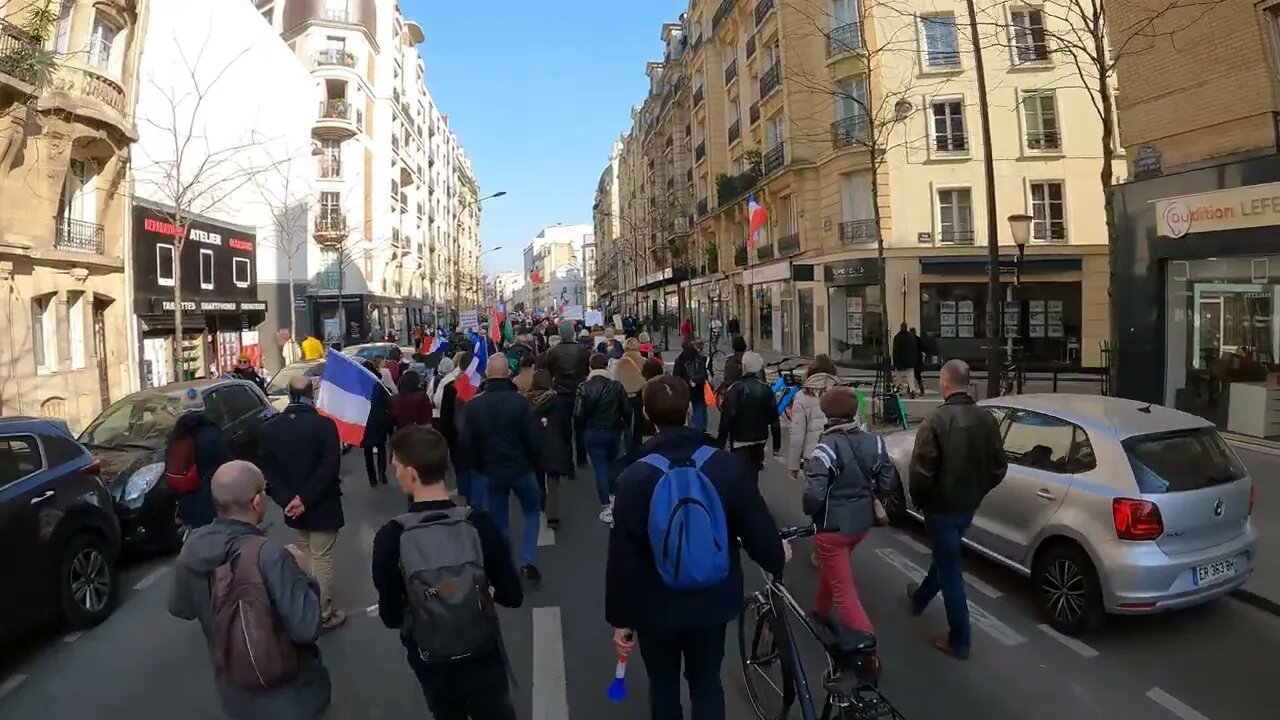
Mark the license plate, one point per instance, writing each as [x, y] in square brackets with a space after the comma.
[1206, 574]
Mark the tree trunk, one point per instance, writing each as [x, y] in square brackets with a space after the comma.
[293, 312]
[1107, 178]
[177, 312]
[887, 338]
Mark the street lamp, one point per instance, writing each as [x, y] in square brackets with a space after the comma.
[457, 283]
[1020, 227]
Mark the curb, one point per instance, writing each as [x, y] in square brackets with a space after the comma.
[1260, 448]
[1249, 597]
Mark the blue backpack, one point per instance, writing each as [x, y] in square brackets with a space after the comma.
[687, 528]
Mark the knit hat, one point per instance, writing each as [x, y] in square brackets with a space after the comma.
[839, 402]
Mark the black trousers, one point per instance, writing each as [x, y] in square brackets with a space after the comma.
[754, 455]
[466, 690]
[378, 474]
[702, 653]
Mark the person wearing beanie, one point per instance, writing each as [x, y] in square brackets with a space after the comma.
[847, 475]
[749, 415]
[567, 363]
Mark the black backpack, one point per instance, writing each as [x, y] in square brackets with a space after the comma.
[696, 369]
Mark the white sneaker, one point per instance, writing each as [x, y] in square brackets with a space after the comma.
[606, 514]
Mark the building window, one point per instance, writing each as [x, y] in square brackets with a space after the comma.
[1029, 44]
[101, 43]
[955, 216]
[164, 264]
[44, 333]
[206, 269]
[269, 15]
[335, 10]
[1040, 118]
[75, 329]
[948, 127]
[62, 35]
[941, 43]
[1048, 210]
[240, 272]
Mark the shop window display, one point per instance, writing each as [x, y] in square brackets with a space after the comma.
[857, 323]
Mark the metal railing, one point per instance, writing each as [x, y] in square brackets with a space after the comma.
[735, 131]
[722, 12]
[329, 279]
[703, 207]
[700, 151]
[843, 39]
[334, 56]
[852, 130]
[335, 109]
[329, 169]
[770, 80]
[942, 59]
[740, 255]
[856, 232]
[774, 158]
[956, 237]
[753, 113]
[79, 236]
[731, 71]
[789, 244]
[764, 252]
[698, 96]
[18, 49]
[751, 47]
[763, 8]
[1044, 140]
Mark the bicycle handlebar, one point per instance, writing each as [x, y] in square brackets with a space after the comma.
[797, 531]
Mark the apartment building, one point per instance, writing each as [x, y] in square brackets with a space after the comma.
[64, 208]
[605, 219]
[1197, 291]
[553, 263]
[783, 101]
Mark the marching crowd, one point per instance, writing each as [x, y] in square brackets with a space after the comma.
[681, 504]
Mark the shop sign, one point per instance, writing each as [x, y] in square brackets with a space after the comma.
[852, 272]
[211, 306]
[776, 272]
[1148, 163]
[1233, 209]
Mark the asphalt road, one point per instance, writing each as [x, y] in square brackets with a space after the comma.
[1213, 662]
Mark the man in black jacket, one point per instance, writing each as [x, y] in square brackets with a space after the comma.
[681, 625]
[733, 363]
[475, 688]
[958, 459]
[906, 351]
[499, 435]
[567, 363]
[750, 415]
[602, 411]
[300, 455]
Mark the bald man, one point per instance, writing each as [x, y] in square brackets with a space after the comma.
[958, 459]
[239, 495]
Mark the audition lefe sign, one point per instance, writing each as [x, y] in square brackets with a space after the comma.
[1233, 209]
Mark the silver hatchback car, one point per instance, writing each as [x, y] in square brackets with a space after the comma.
[1109, 506]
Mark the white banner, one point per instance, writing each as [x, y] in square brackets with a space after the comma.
[469, 319]
[572, 312]
[594, 318]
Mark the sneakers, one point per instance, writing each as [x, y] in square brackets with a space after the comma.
[335, 620]
[531, 575]
[606, 514]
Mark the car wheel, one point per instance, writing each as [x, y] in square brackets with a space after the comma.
[87, 582]
[896, 506]
[1068, 592]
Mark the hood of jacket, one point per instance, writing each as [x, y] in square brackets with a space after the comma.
[600, 374]
[630, 372]
[820, 382]
[210, 546]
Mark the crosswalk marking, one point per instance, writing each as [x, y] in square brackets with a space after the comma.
[985, 621]
[1074, 644]
[1174, 705]
[550, 697]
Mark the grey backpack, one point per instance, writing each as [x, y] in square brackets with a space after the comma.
[450, 611]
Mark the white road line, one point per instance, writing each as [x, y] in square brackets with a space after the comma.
[1168, 702]
[982, 587]
[11, 684]
[151, 577]
[550, 697]
[72, 636]
[546, 536]
[912, 543]
[985, 621]
[1070, 642]
[923, 549]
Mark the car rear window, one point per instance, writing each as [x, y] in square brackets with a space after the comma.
[1182, 461]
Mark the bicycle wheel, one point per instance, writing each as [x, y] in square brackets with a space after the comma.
[767, 677]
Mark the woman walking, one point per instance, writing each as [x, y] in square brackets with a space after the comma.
[411, 405]
[807, 420]
[557, 458]
[376, 429]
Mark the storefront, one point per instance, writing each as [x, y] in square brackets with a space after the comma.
[856, 322]
[1198, 293]
[215, 265]
[367, 317]
[772, 306]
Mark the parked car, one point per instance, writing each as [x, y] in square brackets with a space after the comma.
[1109, 506]
[278, 388]
[59, 536]
[130, 436]
[369, 351]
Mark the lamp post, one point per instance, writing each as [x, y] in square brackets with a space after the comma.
[482, 254]
[457, 282]
[1020, 228]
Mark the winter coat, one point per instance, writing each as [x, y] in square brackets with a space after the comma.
[958, 457]
[196, 508]
[906, 350]
[847, 471]
[807, 419]
[601, 403]
[301, 456]
[749, 415]
[557, 457]
[524, 380]
[499, 433]
[630, 372]
[378, 426]
[686, 362]
[567, 363]
[408, 409]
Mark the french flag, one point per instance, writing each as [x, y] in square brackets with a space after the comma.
[757, 217]
[434, 343]
[346, 395]
[468, 383]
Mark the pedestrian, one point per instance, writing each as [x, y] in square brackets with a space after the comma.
[263, 647]
[301, 456]
[567, 362]
[906, 350]
[378, 366]
[922, 349]
[629, 371]
[958, 458]
[691, 366]
[395, 365]
[445, 374]
[846, 475]
[807, 420]
[451, 637]
[733, 363]
[678, 612]
[750, 415]
[451, 418]
[244, 370]
[524, 373]
[686, 330]
[603, 412]
[522, 348]
[557, 457]
[411, 405]
[735, 328]
[289, 352]
[312, 348]
[194, 451]
[500, 437]
[376, 430]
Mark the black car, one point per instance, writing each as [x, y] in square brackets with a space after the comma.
[59, 538]
[130, 436]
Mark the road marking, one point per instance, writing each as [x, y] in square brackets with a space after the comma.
[1070, 642]
[151, 577]
[923, 549]
[985, 621]
[912, 543]
[546, 536]
[72, 636]
[11, 684]
[550, 697]
[1165, 700]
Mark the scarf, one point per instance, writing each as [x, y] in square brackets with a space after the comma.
[437, 395]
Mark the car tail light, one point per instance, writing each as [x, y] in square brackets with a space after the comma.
[1136, 519]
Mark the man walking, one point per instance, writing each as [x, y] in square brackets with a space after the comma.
[906, 350]
[679, 622]
[567, 362]
[602, 410]
[499, 434]
[300, 454]
[193, 453]
[750, 415]
[958, 459]
[301, 688]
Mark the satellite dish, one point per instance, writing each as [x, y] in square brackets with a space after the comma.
[902, 110]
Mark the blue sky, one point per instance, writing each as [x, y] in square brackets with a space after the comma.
[537, 92]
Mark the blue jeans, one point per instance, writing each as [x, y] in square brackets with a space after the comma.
[698, 407]
[602, 446]
[472, 487]
[945, 574]
[525, 488]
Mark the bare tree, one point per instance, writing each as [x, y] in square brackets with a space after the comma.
[288, 198]
[194, 168]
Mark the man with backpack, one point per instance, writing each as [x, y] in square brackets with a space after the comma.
[194, 452]
[683, 493]
[449, 629]
[259, 610]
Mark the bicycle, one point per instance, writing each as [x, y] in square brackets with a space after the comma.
[853, 670]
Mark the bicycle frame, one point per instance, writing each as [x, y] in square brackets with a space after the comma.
[775, 590]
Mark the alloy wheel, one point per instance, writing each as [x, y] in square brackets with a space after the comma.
[1064, 588]
[90, 580]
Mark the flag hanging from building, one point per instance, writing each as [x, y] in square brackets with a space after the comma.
[535, 277]
[757, 218]
[346, 395]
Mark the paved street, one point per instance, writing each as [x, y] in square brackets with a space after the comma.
[1210, 662]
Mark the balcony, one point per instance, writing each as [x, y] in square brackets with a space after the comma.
[844, 39]
[700, 151]
[774, 158]
[722, 12]
[19, 55]
[858, 232]
[770, 81]
[334, 121]
[740, 255]
[698, 96]
[88, 93]
[764, 253]
[763, 8]
[328, 169]
[334, 56]
[1049, 141]
[853, 130]
[331, 229]
[789, 244]
[79, 236]
[703, 207]
[731, 71]
[735, 131]
[751, 47]
[955, 237]
[753, 113]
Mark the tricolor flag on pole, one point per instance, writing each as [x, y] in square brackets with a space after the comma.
[757, 217]
[346, 395]
[468, 383]
[434, 343]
